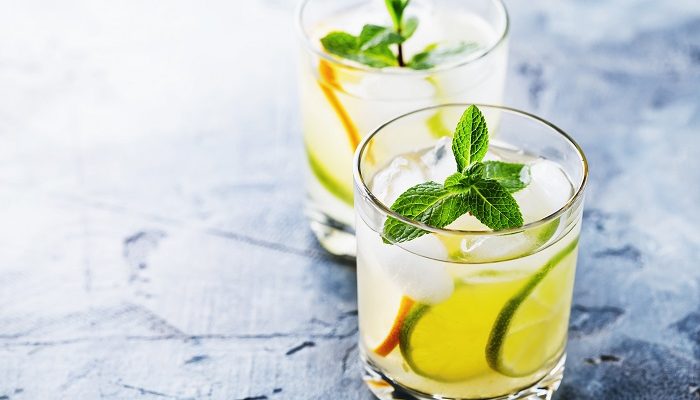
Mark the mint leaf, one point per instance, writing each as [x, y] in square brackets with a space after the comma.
[493, 205]
[471, 140]
[396, 8]
[341, 44]
[408, 28]
[511, 176]
[435, 54]
[348, 46]
[375, 35]
[377, 57]
[429, 203]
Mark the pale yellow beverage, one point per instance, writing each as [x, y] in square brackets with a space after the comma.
[464, 312]
[342, 101]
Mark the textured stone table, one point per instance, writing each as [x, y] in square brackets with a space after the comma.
[152, 244]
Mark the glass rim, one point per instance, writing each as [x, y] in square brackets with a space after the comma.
[378, 204]
[355, 66]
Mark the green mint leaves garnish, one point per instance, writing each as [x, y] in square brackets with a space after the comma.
[436, 53]
[483, 189]
[430, 203]
[372, 46]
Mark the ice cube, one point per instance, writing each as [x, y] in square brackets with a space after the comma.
[403, 173]
[439, 162]
[420, 278]
[548, 190]
[492, 248]
[467, 222]
[478, 248]
[483, 247]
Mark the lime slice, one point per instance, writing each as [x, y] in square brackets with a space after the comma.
[446, 341]
[531, 328]
[335, 185]
[545, 232]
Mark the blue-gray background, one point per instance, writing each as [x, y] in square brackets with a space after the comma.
[152, 243]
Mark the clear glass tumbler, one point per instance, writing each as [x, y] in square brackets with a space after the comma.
[342, 101]
[459, 314]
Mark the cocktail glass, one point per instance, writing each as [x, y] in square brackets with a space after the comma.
[467, 314]
[342, 101]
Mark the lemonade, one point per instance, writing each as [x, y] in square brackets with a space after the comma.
[342, 101]
[465, 312]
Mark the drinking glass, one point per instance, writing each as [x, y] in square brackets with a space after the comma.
[459, 314]
[342, 101]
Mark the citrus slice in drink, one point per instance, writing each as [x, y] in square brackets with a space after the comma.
[392, 338]
[445, 341]
[473, 332]
[530, 330]
[330, 134]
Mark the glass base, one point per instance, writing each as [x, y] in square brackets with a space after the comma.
[336, 237]
[384, 388]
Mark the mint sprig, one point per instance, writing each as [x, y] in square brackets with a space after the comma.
[373, 46]
[482, 189]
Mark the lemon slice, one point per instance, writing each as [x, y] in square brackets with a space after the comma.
[446, 341]
[473, 333]
[531, 328]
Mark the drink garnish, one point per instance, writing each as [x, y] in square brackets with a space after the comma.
[482, 188]
[373, 46]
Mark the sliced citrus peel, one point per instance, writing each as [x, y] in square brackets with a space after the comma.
[327, 82]
[499, 333]
[392, 338]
